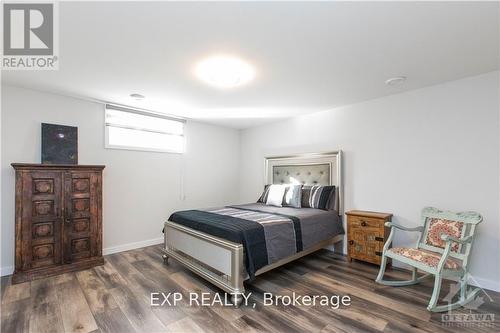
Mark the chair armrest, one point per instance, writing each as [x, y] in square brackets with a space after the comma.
[397, 226]
[448, 238]
[447, 249]
[394, 226]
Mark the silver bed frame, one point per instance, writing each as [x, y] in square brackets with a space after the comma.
[221, 262]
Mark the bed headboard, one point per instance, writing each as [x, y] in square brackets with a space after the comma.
[307, 169]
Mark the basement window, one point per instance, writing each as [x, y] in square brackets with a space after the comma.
[134, 129]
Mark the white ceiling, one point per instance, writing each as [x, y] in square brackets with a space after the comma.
[308, 56]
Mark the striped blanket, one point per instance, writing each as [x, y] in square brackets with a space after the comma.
[266, 237]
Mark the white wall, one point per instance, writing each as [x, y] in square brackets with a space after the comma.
[141, 189]
[436, 146]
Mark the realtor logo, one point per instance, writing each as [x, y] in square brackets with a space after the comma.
[29, 36]
[473, 317]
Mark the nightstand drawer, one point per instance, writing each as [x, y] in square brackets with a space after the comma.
[367, 234]
[365, 222]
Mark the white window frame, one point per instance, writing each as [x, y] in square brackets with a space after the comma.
[145, 113]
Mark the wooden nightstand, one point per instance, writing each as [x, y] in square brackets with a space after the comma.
[366, 235]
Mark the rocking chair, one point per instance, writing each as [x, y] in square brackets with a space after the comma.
[442, 250]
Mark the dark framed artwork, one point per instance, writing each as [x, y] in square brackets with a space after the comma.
[59, 144]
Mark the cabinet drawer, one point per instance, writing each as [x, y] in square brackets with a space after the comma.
[366, 222]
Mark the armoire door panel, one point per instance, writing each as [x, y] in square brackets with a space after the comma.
[81, 215]
[43, 186]
[41, 225]
[43, 229]
[80, 225]
[80, 207]
[80, 184]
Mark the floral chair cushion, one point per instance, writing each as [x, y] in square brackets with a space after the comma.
[428, 258]
[437, 227]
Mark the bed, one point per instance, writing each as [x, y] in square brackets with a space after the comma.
[231, 244]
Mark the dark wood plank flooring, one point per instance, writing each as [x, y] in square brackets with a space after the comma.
[116, 298]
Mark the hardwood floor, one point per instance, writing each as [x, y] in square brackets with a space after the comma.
[116, 298]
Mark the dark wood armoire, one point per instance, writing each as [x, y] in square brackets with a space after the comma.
[58, 224]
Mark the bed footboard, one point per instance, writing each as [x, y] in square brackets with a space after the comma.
[216, 260]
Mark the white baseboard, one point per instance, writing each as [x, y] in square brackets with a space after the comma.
[131, 246]
[485, 284]
[8, 270]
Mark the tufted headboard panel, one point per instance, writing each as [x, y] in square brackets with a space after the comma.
[307, 169]
[302, 174]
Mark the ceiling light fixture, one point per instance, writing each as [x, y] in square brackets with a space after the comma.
[224, 71]
[395, 80]
[137, 97]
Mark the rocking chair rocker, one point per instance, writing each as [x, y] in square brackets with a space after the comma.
[442, 250]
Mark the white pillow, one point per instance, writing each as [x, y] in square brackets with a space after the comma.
[275, 195]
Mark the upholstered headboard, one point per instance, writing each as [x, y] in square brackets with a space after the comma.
[302, 174]
[307, 169]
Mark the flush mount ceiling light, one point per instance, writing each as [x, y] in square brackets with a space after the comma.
[395, 80]
[137, 97]
[224, 71]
